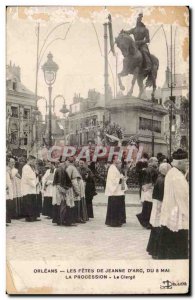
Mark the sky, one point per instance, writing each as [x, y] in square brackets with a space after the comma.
[80, 55]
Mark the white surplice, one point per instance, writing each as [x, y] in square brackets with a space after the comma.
[113, 186]
[9, 187]
[47, 183]
[16, 183]
[28, 181]
[175, 205]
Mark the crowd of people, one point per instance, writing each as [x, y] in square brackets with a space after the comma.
[164, 194]
[63, 192]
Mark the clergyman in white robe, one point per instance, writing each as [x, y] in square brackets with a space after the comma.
[115, 190]
[29, 190]
[174, 218]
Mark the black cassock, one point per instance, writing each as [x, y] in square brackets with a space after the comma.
[149, 176]
[31, 207]
[116, 214]
[62, 214]
[140, 167]
[90, 192]
[154, 239]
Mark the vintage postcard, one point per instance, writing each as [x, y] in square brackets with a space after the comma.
[97, 150]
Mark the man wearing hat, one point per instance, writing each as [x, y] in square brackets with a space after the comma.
[175, 211]
[142, 38]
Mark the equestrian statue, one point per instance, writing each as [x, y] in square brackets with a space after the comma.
[137, 58]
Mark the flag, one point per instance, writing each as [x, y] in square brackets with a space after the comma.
[111, 34]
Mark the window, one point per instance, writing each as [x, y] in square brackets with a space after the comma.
[157, 126]
[94, 119]
[184, 141]
[14, 86]
[26, 113]
[25, 138]
[14, 111]
[8, 84]
[146, 124]
[14, 137]
[183, 118]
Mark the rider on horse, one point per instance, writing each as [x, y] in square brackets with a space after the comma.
[141, 36]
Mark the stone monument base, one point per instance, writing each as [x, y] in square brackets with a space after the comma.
[135, 116]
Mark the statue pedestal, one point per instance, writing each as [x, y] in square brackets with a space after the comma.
[135, 116]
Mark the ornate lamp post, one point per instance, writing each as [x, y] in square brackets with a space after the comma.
[50, 69]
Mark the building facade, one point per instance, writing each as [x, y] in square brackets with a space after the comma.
[21, 114]
[180, 115]
[58, 130]
[136, 117]
[140, 118]
[86, 118]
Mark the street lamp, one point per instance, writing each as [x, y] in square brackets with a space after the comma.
[64, 110]
[50, 69]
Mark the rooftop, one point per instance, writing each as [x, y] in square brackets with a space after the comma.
[13, 80]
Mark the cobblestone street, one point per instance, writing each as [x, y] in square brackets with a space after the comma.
[93, 240]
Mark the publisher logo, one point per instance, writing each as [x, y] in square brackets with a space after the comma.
[166, 285]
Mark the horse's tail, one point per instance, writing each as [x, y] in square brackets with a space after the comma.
[153, 73]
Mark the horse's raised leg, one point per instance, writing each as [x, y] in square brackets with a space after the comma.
[123, 73]
[133, 81]
[140, 80]
[120, 81]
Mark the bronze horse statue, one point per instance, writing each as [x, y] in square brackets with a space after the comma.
[133, 63]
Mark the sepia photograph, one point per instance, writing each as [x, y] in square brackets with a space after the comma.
[97, 150]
